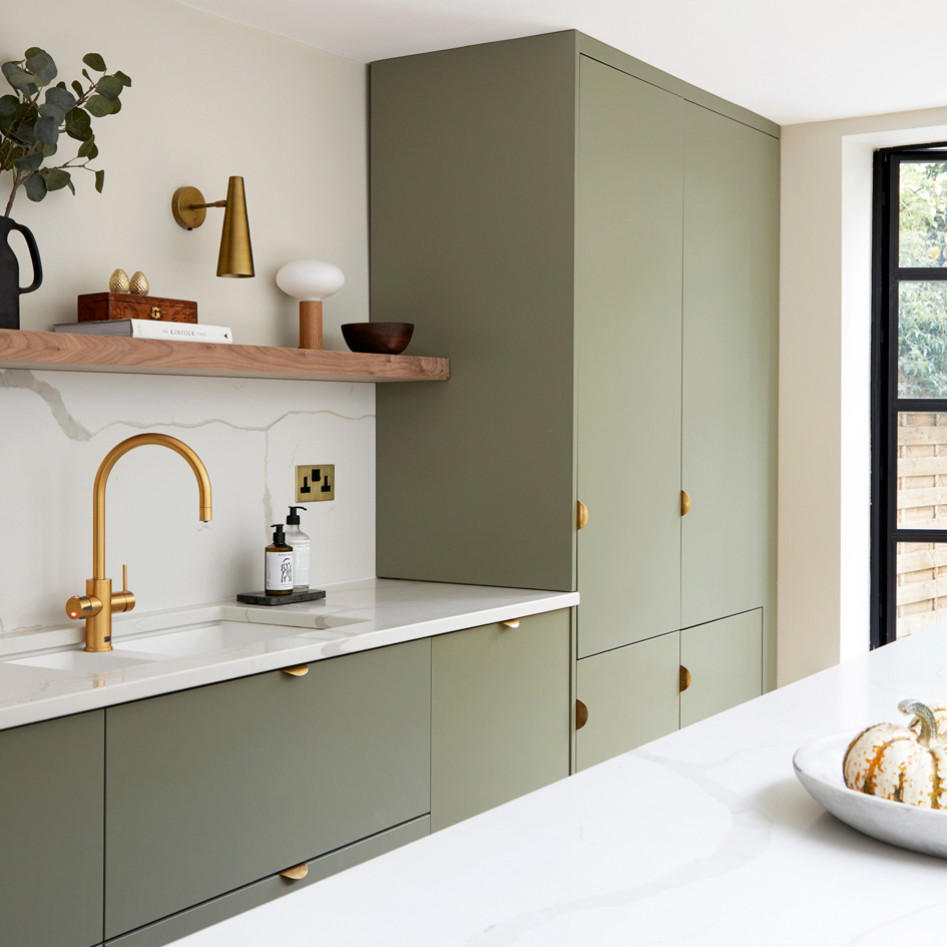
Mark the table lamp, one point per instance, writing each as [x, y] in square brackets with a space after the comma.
[310, 281]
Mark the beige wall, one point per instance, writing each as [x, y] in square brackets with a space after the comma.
[210, 99]
[824, 436]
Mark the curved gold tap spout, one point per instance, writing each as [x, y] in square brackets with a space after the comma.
[101, 478]
[97, 605]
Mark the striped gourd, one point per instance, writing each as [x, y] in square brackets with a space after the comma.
[906, 764]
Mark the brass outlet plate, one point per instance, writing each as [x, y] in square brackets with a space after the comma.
[315, 482]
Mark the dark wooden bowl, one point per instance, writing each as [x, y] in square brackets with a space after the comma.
[384, 338]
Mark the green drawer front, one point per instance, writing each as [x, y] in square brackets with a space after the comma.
[632, 695]
[51, 833]
[213, 788]
[725, 658]
[236, 902]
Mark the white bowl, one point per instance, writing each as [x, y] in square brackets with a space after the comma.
[819, 768]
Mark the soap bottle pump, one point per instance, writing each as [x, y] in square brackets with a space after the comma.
[278, 564]
[300, 543]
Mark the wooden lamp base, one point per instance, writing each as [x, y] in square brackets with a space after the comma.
[310, 324]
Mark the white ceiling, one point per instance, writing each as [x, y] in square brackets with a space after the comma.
[803, 61]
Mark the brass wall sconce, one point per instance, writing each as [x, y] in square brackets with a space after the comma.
[236, 255]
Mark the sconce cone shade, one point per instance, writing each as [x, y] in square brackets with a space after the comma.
[236, 254]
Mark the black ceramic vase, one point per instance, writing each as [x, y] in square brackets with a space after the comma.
[10, 288]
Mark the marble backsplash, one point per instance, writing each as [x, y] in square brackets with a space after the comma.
[55, 428]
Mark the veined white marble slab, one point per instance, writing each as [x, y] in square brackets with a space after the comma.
[354, 616]
[702, 837]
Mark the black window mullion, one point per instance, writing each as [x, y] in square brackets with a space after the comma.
[889, 549]
[921, 274]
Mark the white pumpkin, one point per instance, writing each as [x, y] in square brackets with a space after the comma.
[906, 764]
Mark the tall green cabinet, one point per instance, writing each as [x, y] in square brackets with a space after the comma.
[594, 243]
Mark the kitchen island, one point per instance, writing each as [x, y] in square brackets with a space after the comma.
[702, 837]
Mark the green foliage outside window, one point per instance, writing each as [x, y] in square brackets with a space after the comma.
[922, 313]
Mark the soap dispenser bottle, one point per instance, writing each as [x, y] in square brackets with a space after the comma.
[300, 543]
[278, 568]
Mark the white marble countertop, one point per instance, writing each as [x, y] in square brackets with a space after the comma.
[354, 616]
[702, 837]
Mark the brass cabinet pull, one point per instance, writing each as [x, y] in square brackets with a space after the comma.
[685, 679]
[296, 873]
[685, 503]
[581, 715]
[512, 623]
[581, 515]
[300, 670]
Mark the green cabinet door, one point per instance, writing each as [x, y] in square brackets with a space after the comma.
[628, 357]
[501, 717]
[51, 798]
[725, 661]
[632, 696]
[216, 787]
[731, 257]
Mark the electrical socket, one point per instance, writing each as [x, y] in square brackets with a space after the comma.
[315, 482]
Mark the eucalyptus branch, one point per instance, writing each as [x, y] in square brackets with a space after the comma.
[32, 121]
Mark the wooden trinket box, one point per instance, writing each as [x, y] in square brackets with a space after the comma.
[97, 306]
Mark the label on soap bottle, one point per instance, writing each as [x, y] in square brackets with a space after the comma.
[301, 564]
[279, 571]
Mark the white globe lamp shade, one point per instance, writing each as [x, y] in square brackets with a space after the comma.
[310, 279]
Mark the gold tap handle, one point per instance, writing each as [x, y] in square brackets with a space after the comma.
[123, 601]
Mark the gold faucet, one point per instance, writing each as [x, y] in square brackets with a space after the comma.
[97, 605]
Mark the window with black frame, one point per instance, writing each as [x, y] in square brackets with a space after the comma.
[909, 404]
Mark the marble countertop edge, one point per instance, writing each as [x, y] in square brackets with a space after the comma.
[374, 613]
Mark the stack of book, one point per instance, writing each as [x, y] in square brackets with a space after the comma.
[150, 329]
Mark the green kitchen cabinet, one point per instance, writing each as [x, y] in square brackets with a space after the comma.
[217, 787]
[471, 239]
[626, 696]
[595, 244]
[722, 662]
[51, 799]
[500, 713]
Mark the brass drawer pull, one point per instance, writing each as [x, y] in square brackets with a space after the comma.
[685, 503]
[296, 873]
[686, 678]
[581, 515]
[512, 623]
[581, 715]
[300, 670]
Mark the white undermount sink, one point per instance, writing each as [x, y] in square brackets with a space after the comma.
[205, 638]
[84, 661]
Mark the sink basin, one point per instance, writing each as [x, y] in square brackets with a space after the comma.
[205, 639]
[84, 661]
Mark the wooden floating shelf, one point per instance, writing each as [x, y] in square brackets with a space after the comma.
[61, 351]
